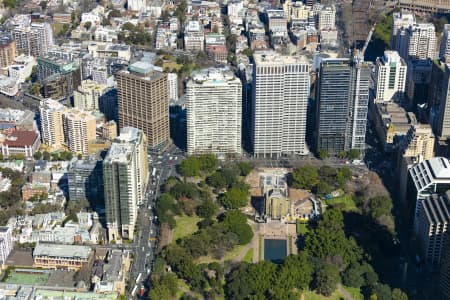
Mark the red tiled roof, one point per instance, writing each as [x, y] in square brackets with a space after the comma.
[20, 138]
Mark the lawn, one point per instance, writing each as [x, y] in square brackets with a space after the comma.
[354, 292]
[248, 256]
[186, 225]
[346, 201]
[302, 228]
[230, 255]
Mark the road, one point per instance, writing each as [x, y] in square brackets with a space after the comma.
[145, 241]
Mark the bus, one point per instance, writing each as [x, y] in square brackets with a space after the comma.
[133, 292]
[154, 172]
[138, 278]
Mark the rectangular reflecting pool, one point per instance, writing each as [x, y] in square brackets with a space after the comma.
[275, 250]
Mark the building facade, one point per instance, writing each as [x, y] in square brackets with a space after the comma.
[390, 77]
[425, 179]
[125, 176]
[342, 99]
[79, 129]
[279, 104]
[33, 39]
[52, 125]
[144, 102]
[7, 51]
[6, 244]
[85, 178]
[434, 217]
[59, 256]
[214, 107]
[87, 95]
[444, 50]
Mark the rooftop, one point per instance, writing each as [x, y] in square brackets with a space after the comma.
[119, 152]
[213, 76]
[21, 138]
[59, 250]
[273, 58]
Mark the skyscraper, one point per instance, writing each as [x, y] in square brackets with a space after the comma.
[279, 104]
[342, 99]
[7, 52]
[391, 77]
[144, 102]
[214, 108]
[434, 218]
[125, 176]
[444, 51]
[442, 123]
[401, 21]
[80, 129]
[85, 178]
[52, 129]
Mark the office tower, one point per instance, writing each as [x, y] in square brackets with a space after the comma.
[418, 42]
[444, 272]
[327, 18]
[444, 51]
[108, 105]
[419, 142]
[34, 40]
[85, 178]
[7, 51]
[429, 177]
[79, 129]
[125, 175]
[442, 124]
[342, 99]
[401, 21]
[144, 102]
[434, 217]
[52, 128]
[172, 82]
[59, 77]
[279, 104]
[390, 75]
[86, 97]
[214, 107]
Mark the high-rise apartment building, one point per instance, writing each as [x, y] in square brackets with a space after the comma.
[342, 99]
[52, 128]
[85, 179]
[33, 39]
[401, 21]
[434, 218]
[418, 41]
[125, 176]
[6, 244]
[444, 51]
[390, 75]
[144, 102]
[79, 129]
[7, 52]
[86, 97]
[279, 104]
[214, 108]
